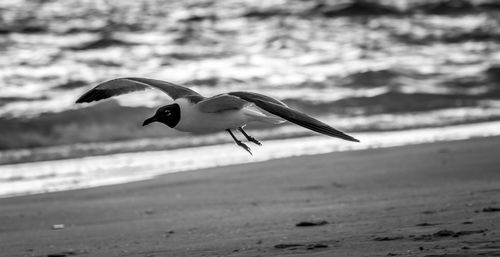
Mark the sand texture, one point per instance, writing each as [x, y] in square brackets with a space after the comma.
[439, 199]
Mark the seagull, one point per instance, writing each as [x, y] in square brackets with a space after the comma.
[192, 112]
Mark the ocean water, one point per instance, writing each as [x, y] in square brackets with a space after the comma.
[361, 66]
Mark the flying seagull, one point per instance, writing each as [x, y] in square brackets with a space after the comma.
[192, 112]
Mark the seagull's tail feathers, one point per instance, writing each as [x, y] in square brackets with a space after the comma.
[255, 115]
[271, 120]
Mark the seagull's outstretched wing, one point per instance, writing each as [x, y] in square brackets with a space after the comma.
[232, 101]
[122, 86]
[278, 108]
[220, 103]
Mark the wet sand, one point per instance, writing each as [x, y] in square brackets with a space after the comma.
[439, 199]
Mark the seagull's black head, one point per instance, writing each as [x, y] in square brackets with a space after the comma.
[168, 115]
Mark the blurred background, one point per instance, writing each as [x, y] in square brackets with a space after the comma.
[358, 65]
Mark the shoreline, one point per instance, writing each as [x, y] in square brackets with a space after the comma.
[426, 199]
[94, 171]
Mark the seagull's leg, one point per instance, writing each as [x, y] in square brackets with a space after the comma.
[249, 138]
[239, 143]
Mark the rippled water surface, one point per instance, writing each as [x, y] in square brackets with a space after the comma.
[360, 66]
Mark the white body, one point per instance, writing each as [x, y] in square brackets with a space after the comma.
[193, 120]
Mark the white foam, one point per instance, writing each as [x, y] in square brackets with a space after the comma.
[57, 175]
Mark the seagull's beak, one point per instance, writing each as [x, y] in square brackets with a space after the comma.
[148, 121]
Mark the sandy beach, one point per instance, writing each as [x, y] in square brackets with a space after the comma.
[437, 199]
[417, 82]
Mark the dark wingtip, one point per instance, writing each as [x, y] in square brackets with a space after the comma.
[84, 98]
[92, 95]
[355, 140]
[349, 138]
[80, 100]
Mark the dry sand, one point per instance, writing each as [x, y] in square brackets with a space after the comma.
[426, 200]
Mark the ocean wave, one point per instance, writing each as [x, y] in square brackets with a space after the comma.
[104, 40]
[72, 84]
[445, 7]
[354, 8]
[373, 78]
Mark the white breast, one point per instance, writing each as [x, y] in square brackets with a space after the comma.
[192, 120]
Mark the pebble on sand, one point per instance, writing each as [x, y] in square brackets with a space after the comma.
[57, 226]
[311, 223]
